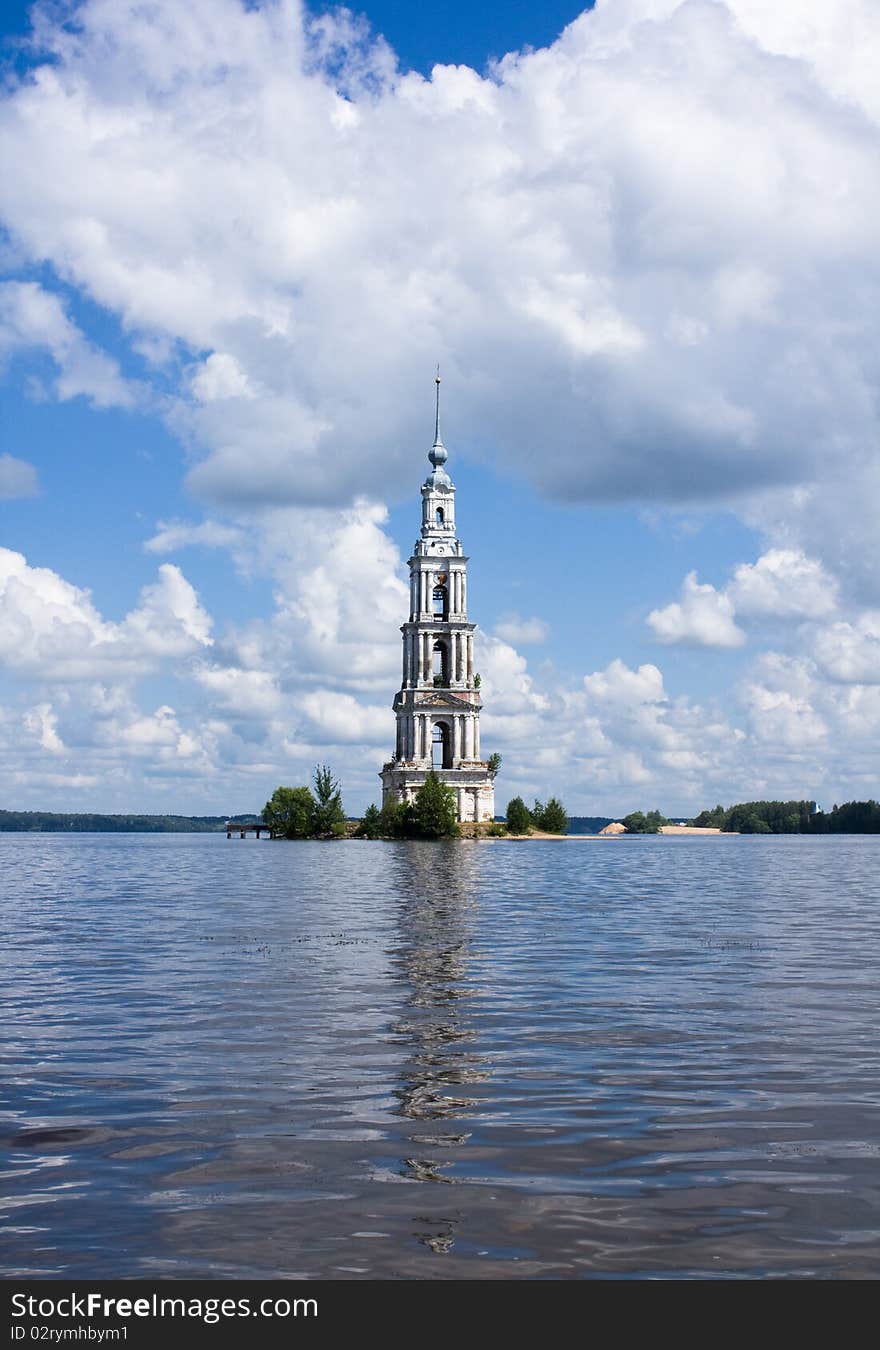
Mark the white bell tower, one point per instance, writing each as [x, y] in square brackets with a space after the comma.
[438, 706]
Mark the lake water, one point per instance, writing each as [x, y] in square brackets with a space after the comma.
[638, 1057]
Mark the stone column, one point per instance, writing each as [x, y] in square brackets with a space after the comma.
[476, 738]
[454, 735]
[464, 592]
[470, 657]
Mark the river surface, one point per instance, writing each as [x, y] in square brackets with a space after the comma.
[615, 1058]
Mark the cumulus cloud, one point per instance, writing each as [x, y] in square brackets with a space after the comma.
[340, 719]
[850, 652]
[51, 629]
[703, 617]
[611, 269]
[242, 693]
[512, 628]
[17, 478]
[612, 273]
[783, 583]
[33, 317]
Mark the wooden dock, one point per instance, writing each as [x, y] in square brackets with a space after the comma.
[233, 827]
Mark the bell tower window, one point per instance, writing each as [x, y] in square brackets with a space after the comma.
[439, 516]
[441, 602]
[441, 746]
[440, 664]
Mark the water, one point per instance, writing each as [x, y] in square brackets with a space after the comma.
[556, 1060]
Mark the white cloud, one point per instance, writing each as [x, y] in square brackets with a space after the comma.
[341, 719]
[780, 700]
[611, 269]
[172, 535]
[703, 617]
[783, 583]
[243, 693]
[170, 620]
[17, 478]
[43, 723]
[850, 652]
[33, 317]
[620, 686]
[512, 628]
[612, 273]
[51, 629]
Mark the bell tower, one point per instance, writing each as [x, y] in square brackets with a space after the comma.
[438, 706]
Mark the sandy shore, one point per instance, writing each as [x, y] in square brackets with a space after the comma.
[664, 829]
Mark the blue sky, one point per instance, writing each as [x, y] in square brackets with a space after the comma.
[236, 241]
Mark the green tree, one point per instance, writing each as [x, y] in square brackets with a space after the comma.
[519, 817]
[371, 825]
[396, 820]
[290, 812]
[553, 818]
[493, 764]
[637, 823]
[435, 813]
[716, 819]
[328, 816]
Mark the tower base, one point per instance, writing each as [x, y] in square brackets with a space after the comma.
[473, 788]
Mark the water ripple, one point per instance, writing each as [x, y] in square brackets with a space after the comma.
[232, 1059]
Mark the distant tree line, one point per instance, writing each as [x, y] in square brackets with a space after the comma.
[91, 822]
[795, 817]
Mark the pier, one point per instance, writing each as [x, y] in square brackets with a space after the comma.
[233, 827]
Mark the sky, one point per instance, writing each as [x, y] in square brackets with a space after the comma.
[641, 242]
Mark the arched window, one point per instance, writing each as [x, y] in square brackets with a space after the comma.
[440, 667]
[439, 516]
[441, 602]
[441, 746]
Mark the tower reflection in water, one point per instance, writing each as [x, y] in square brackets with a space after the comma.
[438, 890]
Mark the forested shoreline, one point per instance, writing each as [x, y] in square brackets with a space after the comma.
[794, 817]
[54, 822]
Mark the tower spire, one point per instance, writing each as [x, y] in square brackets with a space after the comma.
[437, 440]
[437, 454]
